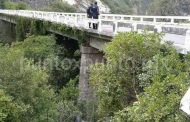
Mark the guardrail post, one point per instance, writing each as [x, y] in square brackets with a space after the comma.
[116, 27]
[57, 18]
[131, 19]
[172, 20]
[154, 20]
[100, 25]
[187, 40]
[76, 19]
[134, 26]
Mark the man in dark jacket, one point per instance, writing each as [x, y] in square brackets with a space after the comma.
[95, 11]
[95, 14]
[89, 13]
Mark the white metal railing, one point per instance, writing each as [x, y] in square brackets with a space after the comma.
[110, 24]
[76, 19]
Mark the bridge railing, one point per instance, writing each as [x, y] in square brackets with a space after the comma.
[154, 19]
[115, 19]
[111, 24]
[146, 20]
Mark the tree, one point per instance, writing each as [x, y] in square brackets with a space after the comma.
[39, 47]
[67, 107]
[116, 83]
[27, 84]
[9, 110]
[166, 81]
[143, 80]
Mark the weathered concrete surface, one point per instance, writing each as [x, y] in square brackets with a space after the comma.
[8, 18]
[98, 42]
[89, 55]
[7, 32]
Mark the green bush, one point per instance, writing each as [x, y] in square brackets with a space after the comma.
[117, 82]
[143, 80]
[166, 82]
[26, 84]
[16, 5]
[38, 47]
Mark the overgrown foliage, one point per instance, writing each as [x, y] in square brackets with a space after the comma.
[26, 84]
[15, 5]
[26, 26]
[78, 34]
[38, 77]
[166, 81]
[143, 80]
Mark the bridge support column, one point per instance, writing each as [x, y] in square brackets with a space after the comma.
[89, 55]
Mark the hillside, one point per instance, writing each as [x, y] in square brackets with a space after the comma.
[137, 7]
[82, 5]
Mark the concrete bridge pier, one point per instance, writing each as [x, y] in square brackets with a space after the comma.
[89, 55]
[7, 32]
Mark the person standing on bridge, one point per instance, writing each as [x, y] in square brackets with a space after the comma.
[95, 14]
[89, 13]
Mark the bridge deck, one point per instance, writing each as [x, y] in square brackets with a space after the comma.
[176, 28]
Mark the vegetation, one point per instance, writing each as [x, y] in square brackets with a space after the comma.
[26, 83]
[142, 7]
[16, 5]
[26, 26]
[59, 6]
[149, 7]
[30, 87]
[26, 89]
[143, 80]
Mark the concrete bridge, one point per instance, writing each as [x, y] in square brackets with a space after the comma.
[176, 29]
